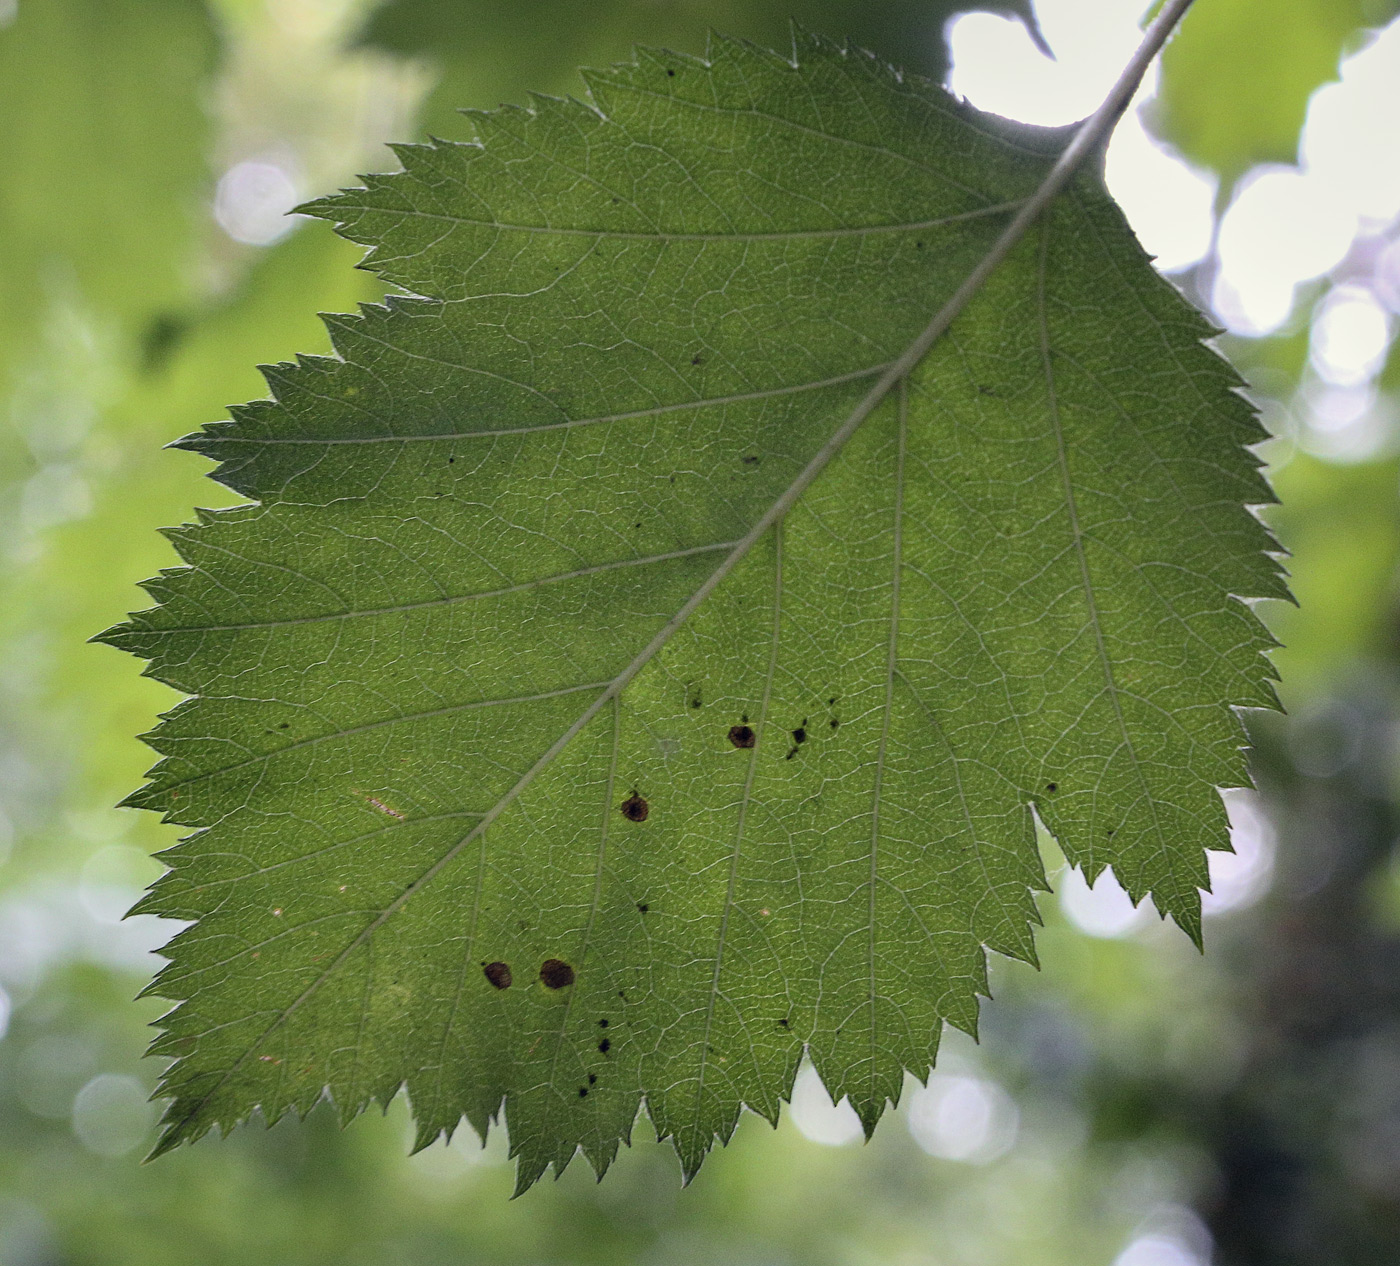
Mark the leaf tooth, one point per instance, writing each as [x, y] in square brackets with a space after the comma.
[529, 1169]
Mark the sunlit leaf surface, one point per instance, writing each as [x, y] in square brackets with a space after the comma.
[476, 813]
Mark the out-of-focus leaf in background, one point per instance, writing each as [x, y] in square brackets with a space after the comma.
[1236, 80]
[87, 203]
[487, 52]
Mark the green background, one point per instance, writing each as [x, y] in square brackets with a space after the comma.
[1257, 1087]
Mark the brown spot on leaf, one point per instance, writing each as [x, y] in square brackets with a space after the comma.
[498, 974]
[385, 809]
[742, 736]
[556, 973]
[634, 808]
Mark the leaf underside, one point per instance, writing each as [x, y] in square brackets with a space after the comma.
[630, 324]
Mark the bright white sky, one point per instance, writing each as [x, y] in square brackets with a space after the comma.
[997, 67]
[1285, 224]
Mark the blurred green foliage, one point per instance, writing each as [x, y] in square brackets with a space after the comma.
[1236, 80]
[1258, 1086]
[87, 202]
[487, 52]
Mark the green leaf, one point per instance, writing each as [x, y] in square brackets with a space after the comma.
[1238, 76]
[449, 727]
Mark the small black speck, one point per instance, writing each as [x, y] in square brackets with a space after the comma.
[636, 525]
[450, 460]
[602, 1024]
[834, 723]
[621, 995]
[1111, 830]
[697, 360]
[751, 460]
[583, 1092]
[791, 754]
[671, 73]
[919, 245]
[286, 725]
[799, 735]
[832, 701]
[617, 199]
[592, 1079]
[673, 479]
[605, 1046]
[642, 907]
[783, 1023]
[1052, 786]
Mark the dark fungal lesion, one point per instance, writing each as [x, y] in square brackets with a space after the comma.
[799, 736]
[742, 736]
[497, 973]
[635, 808]
[555, 973]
